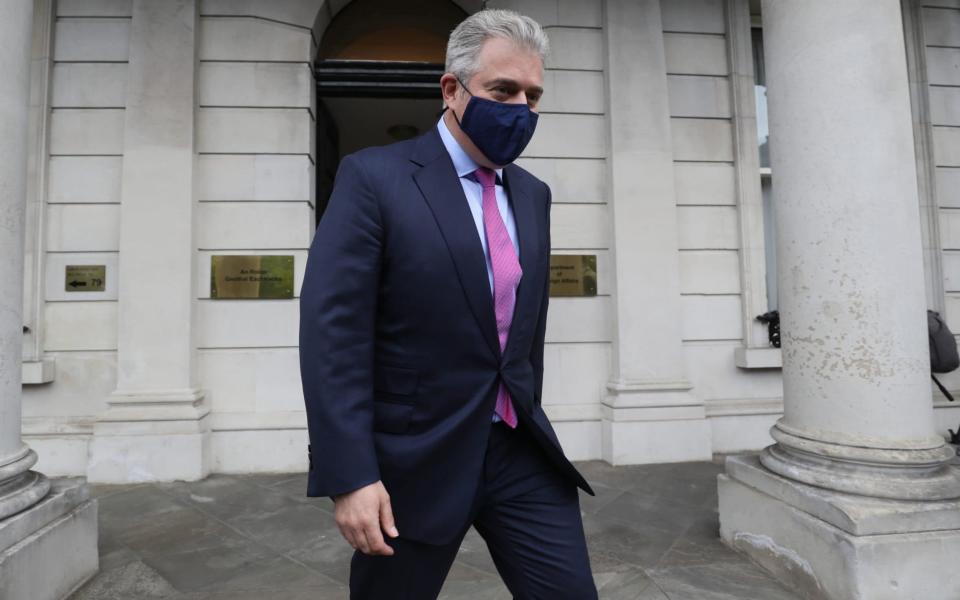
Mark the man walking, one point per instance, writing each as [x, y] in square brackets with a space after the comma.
[423, 312]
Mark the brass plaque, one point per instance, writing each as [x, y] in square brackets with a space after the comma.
[573, 274]
[85, 278]
[251, 276]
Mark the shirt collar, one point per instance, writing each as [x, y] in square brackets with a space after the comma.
[461, 160]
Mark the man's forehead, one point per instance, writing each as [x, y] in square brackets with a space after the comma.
[509, 82]
[503, 59]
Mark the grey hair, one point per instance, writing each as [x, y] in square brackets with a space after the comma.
[466, 40]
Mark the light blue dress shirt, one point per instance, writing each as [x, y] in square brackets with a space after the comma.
[474, 193]
[472, 189]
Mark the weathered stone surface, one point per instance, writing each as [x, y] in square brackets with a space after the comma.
[652, 533]
[819, 560]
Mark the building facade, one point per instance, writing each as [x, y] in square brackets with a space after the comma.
[648, 140]
[165, 135]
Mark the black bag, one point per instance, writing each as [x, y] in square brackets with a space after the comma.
[943, 349]
[943, 346]
[943, 357]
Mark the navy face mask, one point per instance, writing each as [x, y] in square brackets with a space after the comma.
[498, 129]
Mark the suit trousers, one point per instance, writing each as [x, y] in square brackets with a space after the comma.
[528, 514]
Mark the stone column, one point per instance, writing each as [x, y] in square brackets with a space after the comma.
[156, 427]
[649, 412]
[44, 526]
[855, 499]
[20, 488]
[853, 310]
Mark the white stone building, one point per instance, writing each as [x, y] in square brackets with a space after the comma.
[162, 133]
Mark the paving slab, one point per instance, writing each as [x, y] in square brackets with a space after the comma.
[652, 531]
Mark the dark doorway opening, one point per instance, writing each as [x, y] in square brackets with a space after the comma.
[378, 78]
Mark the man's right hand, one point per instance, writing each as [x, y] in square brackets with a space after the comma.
[361, 513]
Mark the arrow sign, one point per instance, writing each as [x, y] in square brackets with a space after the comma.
[85, 278]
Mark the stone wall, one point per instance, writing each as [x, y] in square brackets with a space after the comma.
[254, 190]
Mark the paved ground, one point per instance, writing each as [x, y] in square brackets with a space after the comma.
[652, 532]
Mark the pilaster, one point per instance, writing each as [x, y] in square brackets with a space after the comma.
[649, 413]
[156, 426]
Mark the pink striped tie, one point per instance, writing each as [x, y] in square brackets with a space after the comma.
[506, 276]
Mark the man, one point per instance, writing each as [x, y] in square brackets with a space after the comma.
[423, 312]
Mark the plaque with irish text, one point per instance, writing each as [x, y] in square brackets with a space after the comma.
[251, 276]
[573, 274]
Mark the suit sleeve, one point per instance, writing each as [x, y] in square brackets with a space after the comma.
[337, 319]
[539, 334]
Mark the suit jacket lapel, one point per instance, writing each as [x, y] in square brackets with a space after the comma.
[526, 220]
[438, 181]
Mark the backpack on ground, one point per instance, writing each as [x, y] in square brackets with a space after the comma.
[943, 357]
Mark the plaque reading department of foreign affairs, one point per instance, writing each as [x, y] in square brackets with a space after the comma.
[85, 278]
[573, 274]
[251, 276]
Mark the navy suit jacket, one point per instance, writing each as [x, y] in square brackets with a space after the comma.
[399, 355]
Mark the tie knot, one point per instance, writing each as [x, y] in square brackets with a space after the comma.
[485, 176]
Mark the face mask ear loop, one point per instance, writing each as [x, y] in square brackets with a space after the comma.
[463, 86]
[455, 112]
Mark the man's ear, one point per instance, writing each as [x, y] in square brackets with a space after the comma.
[448, 87]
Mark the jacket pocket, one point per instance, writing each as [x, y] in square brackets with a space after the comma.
[395, 380]
[391, 417]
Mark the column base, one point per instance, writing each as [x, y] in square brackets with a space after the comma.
[151, 437]
[50, 549]
[21, 488]
[837, 546]
[653, 422]
[920, 473]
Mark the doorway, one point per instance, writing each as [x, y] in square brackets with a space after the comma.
[378, 78]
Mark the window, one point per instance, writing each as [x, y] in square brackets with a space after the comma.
[766, 176]
[758, 264]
